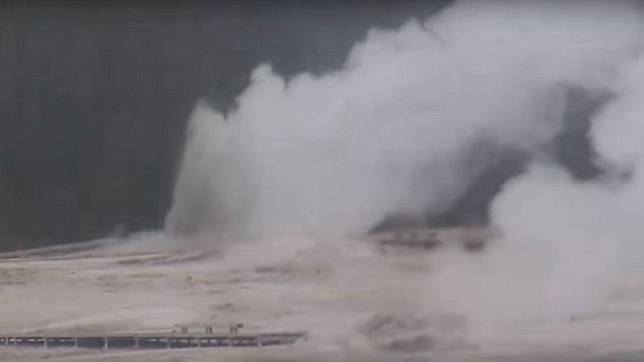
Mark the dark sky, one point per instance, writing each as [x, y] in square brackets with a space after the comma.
[94, 96]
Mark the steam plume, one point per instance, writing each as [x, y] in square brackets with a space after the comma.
[392, 131]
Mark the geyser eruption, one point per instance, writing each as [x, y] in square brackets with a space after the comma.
[395, 130]
[580, 240]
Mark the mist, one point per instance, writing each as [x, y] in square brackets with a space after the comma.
[519, 120]
[395, 130]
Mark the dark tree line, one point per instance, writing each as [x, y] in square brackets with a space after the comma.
[94, 96]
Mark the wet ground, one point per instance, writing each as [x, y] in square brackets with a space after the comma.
[357, 304]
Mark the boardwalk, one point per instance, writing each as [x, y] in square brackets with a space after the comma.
[157, 341]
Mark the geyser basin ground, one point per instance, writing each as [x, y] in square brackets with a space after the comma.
[356, 303]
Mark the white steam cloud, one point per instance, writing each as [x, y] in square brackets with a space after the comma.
[579, 240]
[390, 132]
